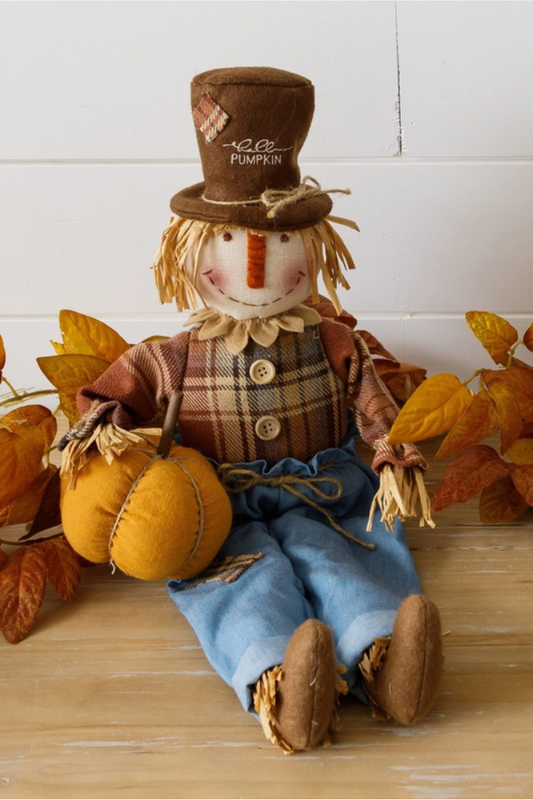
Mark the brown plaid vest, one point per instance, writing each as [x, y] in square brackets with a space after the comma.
[264, 403]
[289, 399]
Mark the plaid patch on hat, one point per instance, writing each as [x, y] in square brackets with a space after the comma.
[209, 118]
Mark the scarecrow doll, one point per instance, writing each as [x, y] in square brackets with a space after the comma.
[301, 592]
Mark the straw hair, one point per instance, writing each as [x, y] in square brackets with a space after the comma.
[326, 251]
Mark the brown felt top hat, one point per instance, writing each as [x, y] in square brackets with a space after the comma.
[251, 124]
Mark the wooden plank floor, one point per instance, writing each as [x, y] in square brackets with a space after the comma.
[112, 697]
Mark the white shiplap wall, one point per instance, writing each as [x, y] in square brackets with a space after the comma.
[424, 109]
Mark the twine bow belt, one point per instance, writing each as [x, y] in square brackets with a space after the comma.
[237, 480]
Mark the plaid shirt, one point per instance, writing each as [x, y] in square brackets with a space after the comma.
[312, 377]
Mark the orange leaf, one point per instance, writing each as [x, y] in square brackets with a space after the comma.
[326, 309]
[528, 338]
[33, 414]
[494, 332]
[64, 567]
[470, 472]
[399, 377]
[21, 452]
[49, 428]
[375, 347]
[36, 415]
[435, 407]
[49, 513]
[522, 475]
[527, 431]
[2, 355]
[520, 380]
[521, 451]
[508, 412]
[26, 505]
[22, 584]
[3, 557]
[83, 335]
[478, 421]
[501, 502]
[70, 373]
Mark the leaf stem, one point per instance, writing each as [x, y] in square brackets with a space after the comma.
[12, 388]
[476, 373]
[19, 398]
[512, 351]
[18, 543]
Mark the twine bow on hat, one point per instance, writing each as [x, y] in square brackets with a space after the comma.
[236, 480]
[275, 200]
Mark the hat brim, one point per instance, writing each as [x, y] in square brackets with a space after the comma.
[189, 203]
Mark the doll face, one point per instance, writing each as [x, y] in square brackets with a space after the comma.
[246, 275]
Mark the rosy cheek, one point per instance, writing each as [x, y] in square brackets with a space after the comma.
[294, 275]
[214, 278]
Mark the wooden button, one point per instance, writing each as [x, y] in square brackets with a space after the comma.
[262, 371]
[268, 428]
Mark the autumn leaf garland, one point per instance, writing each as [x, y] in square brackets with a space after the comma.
[29, 484]
[504, 402]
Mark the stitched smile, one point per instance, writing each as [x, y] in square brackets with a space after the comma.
[253, 305]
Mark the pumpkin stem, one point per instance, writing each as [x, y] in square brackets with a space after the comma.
[169, 425]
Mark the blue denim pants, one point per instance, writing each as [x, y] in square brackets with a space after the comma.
[303, 569]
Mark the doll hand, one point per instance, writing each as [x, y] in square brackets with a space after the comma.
[85, 426]
[401, 492]
[404, 456]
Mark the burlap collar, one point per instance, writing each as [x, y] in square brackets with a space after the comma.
[237, 332]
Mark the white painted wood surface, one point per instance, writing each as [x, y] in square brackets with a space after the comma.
[95, 136]
[466, 79]
[110, 80]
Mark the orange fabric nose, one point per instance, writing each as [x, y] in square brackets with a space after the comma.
[255, 269]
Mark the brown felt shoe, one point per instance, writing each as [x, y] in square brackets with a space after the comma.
[402, 680]
[296, 702]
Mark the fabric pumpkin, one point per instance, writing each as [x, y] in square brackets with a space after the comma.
[153, 517]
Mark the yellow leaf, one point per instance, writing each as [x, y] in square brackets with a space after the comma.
[60, 348]
[435, 407]
[478, 421]
[528, 339]
[2, 354]
[83, 335]
[494, 332]
[26, 505]
[71, 372]
[21, 452]
[155, 338]
[521, 451]
[69, 408]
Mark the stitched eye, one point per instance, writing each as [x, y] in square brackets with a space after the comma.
[284, 237]
[227, 237]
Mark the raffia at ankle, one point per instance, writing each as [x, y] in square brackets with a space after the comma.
[265, 697]
[372, 661]
[402, 493]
